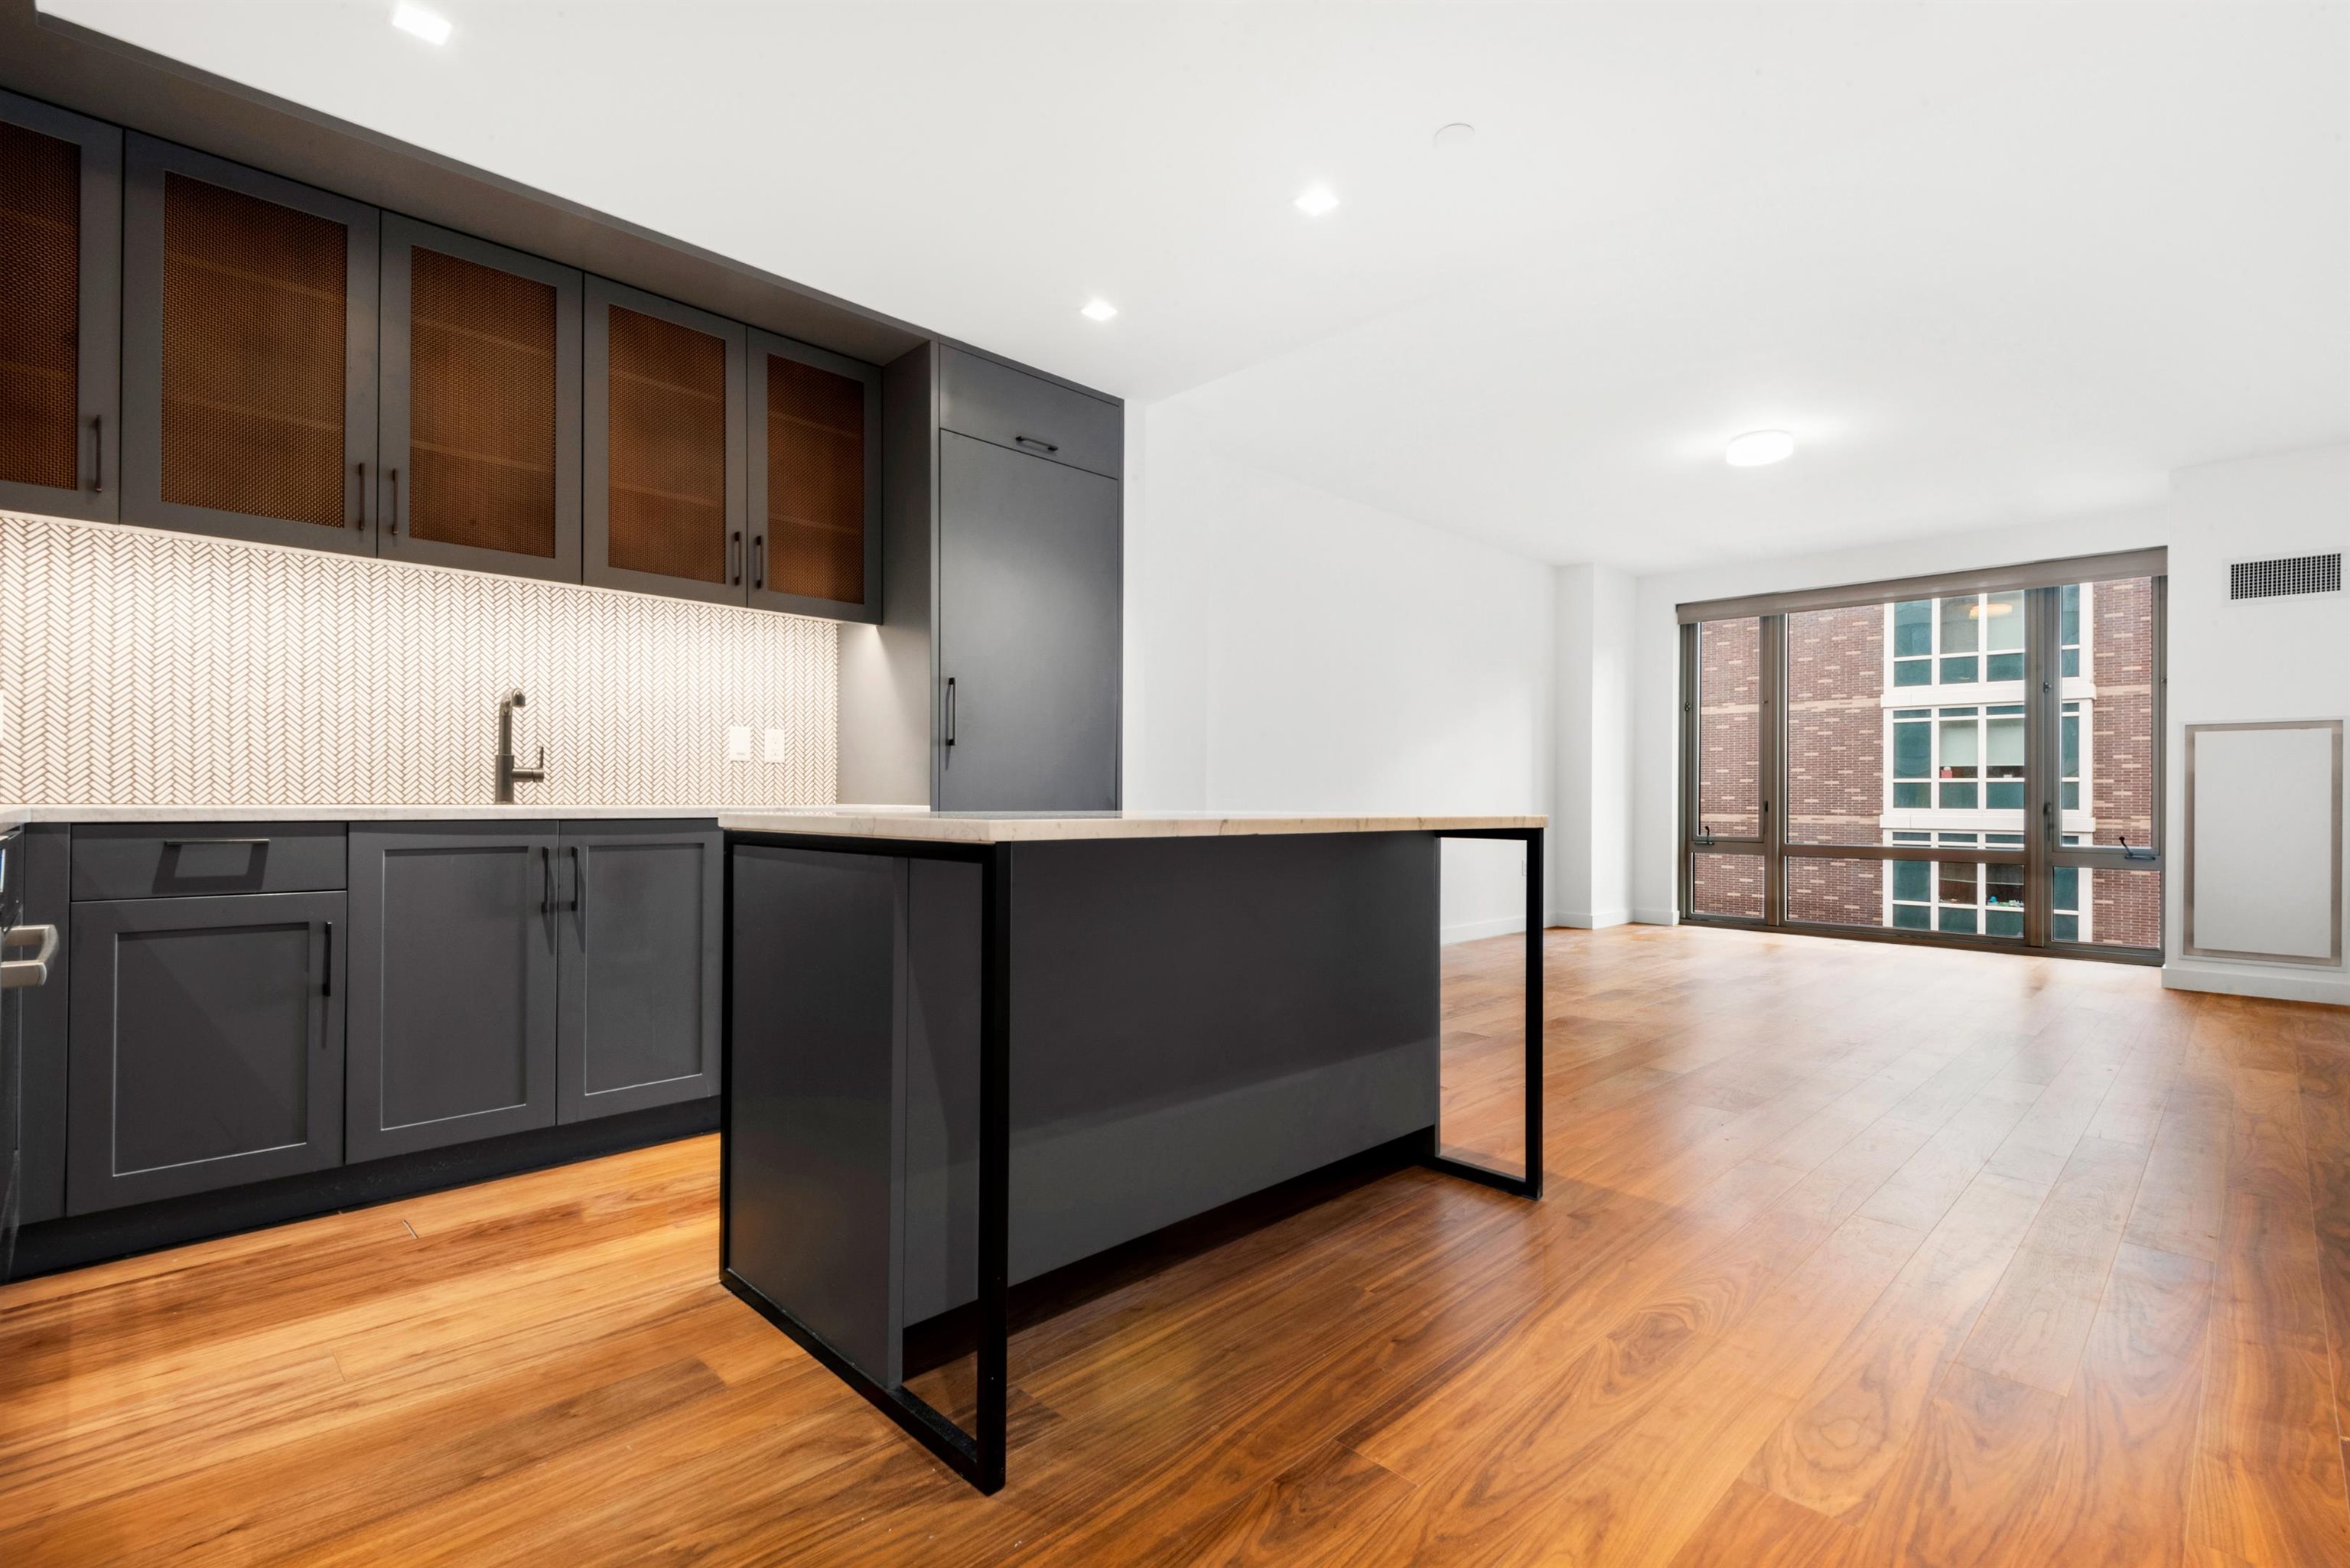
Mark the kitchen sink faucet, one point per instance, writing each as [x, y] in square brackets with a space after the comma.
[508, 775]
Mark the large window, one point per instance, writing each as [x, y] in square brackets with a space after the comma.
[1952, 760]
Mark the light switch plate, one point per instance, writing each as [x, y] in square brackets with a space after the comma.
[738, 742]
[776, 747]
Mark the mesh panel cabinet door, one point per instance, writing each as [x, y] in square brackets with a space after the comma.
[480, 406]
[60, 311]
[816, 482]
[248, 354]
[663, 495]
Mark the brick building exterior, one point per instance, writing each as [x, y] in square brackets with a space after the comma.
[1840, 712]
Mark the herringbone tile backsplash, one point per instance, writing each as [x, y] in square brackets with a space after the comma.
[140, 668]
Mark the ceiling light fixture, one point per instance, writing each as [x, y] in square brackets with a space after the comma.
[1316, 200]
[429, 26]
[1097, 310]
[1453, 137]
[1756, 449]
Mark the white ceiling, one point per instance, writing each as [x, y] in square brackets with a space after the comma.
[1986, 261]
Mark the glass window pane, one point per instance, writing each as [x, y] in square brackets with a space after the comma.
[1913, 672]
[1853, 894]
[1957, 922]
[2003, 666]
[2124, 906]
[1835, 790]
[2066, 894]
[2072, 661]
[2004, 886]
[2068, 928]
[2004, 622]
[1955, 884]
[1959, 797]
[1961, 747]
[1910, 881]
[1729, 727]
[2068, 614]
[2068, 751]
[1910, 917]
[1912, 796]
[1728, 884]
[2071, 800]
[2002, 922]
[1998, 796]
[1960, 624]
[1913, 747]
[2109, 743]
[1958, 671]
[2005, 742]
[1913, 627]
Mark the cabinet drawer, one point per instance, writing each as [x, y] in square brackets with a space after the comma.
[1011, 407]
[189, 859]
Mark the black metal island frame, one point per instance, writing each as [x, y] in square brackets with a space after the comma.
[964, 1052]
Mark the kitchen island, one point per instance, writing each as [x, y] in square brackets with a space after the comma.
[963, 1052]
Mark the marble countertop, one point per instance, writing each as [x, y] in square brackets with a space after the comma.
[955, 827]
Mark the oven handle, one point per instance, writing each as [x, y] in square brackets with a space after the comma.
[20, 974]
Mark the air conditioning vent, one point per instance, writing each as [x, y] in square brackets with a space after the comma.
[2286, 575]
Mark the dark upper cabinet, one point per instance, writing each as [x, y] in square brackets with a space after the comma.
[815, 434]
[453, 984]
[480, 352]
[60, 311]
[248, 353]
[994, 403]
[664, 487]
[205, 1042]
[640, 917]
[1028, 632]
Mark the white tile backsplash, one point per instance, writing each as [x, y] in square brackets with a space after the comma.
[145, 668]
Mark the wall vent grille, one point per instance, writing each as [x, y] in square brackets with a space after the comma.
[2286, 575]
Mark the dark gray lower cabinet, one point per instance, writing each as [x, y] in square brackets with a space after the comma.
[453, 1019]
[640, 964]
[206, 1045]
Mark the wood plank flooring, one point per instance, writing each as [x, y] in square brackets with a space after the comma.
[1853, 1256]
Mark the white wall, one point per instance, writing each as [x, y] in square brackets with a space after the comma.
[1289, 649]
[1591, 827]
[2227, 662]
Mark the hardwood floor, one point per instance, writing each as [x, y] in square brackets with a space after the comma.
[1853, 1256]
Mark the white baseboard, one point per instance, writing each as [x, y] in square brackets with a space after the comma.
[1641, 916]
[1470, 931]
[1591, 920]
[2234, 979]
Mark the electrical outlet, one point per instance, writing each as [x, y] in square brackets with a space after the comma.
[738, 742]
[777, 747]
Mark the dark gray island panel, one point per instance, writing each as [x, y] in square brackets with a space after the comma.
[813, 1153]
[1197, 1019]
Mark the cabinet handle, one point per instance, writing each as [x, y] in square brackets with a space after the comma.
[213, 843]
[98, 454]
[951, 709]
[735, 556]
[579, 891]
[361, 523]
[329, 988]
[391, 518]
[1032, 440]
[759, 561]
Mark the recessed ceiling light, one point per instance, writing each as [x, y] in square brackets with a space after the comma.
[429, 26]
[1097, 310]
[1757, 448]
[1316, 200]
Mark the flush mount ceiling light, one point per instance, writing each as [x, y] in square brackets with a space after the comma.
[429, 26]
[1453, 137]
[1756, 449]
[1097, 310]
[1316, 200]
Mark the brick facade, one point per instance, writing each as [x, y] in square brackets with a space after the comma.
[1836, 765]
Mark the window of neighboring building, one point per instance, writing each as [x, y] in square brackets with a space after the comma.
[1958, 641]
